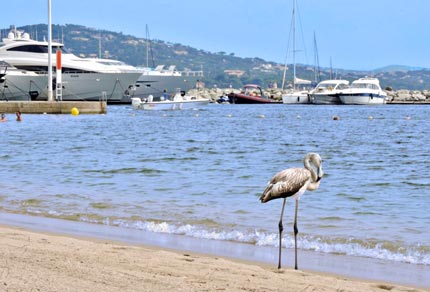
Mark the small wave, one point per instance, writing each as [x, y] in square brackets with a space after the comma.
[363, 213]
[192, 149]
[331, 218]
[326, 226]
[378, 184]
[416, 184]
[175, 159]
[237, 211]
[208, 229]
[375, 168]
[129, 170]
[31, 203]
[355, 199]
[386, 251]
[100, 205]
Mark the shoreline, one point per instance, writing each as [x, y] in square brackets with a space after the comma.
[181, 258]
[401, 96]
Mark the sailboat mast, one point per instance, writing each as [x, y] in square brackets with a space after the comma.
[331, 69]
[294, 44]
[316, 60]
[100, 45]
[147, 46]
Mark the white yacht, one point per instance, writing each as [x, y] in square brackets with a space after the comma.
[327, 91]
[155, 82]
[82, 79]
[296, 97]
[158, 80]
[364, 91]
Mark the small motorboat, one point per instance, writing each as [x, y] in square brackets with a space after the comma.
[364, 91]
[250, 94]
[180, 101]
[327, 92]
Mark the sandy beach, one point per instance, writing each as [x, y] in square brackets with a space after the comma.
[39, 261]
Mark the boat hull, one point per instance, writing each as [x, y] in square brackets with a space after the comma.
[239, 98]
[325, 99]
[362, 98]
[19, 86]
[296, 98]
[110, 87]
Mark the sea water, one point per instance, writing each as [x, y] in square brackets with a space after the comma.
[200, 174]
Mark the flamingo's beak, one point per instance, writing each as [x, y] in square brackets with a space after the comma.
[320, 174]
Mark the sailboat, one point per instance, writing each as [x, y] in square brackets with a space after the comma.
[295, 96]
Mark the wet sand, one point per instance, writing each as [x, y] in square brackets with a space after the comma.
[41, 261]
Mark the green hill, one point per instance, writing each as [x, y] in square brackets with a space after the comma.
[220, 68]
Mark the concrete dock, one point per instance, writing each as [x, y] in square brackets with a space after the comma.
[53, 107]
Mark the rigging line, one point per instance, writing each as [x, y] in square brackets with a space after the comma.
[316, 61]
[4, 93]
[113, 90]
[78, 97]
[114, 87]
[35, 85]
[10, 83]
[149, 47]
[301, 30]
[286, 55]
[152, 52]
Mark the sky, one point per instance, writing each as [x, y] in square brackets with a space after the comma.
[350, 34]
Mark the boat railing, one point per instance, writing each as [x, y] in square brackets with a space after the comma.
[192, 73]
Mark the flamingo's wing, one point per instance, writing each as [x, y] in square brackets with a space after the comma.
[286, 183]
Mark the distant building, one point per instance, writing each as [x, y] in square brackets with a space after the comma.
[237, 73]
[181, 52]
[82, 39]
[131, 42]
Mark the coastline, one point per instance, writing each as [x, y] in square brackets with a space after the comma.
[402, 96]
[33, 258]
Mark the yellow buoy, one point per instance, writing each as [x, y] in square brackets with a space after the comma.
[74, 111]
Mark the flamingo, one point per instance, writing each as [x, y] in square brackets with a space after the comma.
[293, 182]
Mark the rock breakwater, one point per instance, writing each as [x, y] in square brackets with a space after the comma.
[402, 96]
[408, 96]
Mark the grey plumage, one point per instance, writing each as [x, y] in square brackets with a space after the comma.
[293, 182]
[286, 183]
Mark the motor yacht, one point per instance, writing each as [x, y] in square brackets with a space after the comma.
[364, 91]
[155, 81]
[327, 91]
[82, 79]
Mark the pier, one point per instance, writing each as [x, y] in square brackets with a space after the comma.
[53, 107]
